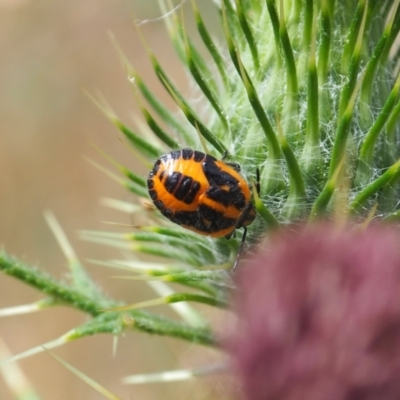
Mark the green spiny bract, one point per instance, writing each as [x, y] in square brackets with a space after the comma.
[305, 91]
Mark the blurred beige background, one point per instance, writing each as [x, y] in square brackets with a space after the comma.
[50, 51]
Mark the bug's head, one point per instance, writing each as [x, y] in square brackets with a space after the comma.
[248, 216]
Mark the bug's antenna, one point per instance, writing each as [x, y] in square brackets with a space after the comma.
[241, 247]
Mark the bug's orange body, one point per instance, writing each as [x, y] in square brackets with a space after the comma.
[201, 193]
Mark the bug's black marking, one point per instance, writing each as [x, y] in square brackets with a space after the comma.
[175, 155]
[205, 219]
[160, 205]
[215, 176]
[184, 187]
[172, 181]
[156, 167]
[150, 182]
[218, 221]
[232, 196]
[220, 180]
[153, 194]
[187, 190]
[192, 193]
[187, 154]
[198, 156]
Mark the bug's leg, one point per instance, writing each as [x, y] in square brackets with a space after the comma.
[258, 188]
[241, 247]
[229, 235]
[234, 166]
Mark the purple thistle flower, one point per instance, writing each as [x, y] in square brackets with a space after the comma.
[319, 316]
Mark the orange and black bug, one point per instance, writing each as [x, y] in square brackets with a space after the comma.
[201, 193]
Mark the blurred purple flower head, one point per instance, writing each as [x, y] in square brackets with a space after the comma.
[319, 316]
